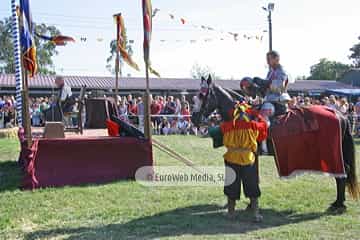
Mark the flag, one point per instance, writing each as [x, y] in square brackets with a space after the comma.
[28, 49]
[59, 40]
[147, 21]
[121, 42]
[154, 72]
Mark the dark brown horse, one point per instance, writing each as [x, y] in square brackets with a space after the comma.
[213, 97]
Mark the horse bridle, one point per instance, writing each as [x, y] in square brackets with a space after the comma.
[205, 103]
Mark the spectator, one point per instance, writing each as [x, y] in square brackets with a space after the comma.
[185, 112]
[164, 126]
[35, 115]
[183, 126]
[184, 102]
[141, 113]
[177, 107]
[170, 106]
[293, 102]
[155, 109]
[307, 102]
[123, 109]
[343, 106]
[333, 102]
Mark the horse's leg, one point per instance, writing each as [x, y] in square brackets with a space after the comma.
[338, 206]
[340, 187]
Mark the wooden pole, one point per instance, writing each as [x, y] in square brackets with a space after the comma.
[117, 59]
[117, 71]
[147, 117]
[26, 108]
[25, 99]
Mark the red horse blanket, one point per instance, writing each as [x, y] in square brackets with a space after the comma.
[308, 140]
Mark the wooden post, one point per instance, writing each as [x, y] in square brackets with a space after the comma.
[26, 107]
[117, 59]
[147, 117]
[25, 99]
[117, 71]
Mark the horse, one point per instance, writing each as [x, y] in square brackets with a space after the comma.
[213, 97]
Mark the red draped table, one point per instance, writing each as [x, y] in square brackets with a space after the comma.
[77, 161]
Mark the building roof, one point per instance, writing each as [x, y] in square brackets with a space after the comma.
[177, 84]
[41, 81]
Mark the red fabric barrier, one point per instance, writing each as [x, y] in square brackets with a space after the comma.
[60, 162]
[310, 145]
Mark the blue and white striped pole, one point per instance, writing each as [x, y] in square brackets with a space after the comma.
[17, 58]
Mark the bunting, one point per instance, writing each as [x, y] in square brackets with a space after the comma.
[234, 35]
[121, 42]
[28, 49]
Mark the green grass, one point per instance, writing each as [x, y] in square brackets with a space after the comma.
[292, 209]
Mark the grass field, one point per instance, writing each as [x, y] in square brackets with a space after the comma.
[292, 209]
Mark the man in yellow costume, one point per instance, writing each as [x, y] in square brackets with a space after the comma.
[241, 137]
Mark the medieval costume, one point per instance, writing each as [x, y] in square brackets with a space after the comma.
[240, 137]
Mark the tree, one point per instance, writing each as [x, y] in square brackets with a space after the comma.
[45, 50]
[328, 70]
[303, 77]
[111, 59]
[198, 71]
[6, 47]
[355, 54]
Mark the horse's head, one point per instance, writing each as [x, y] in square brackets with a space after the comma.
[205, 101]
[253, 87]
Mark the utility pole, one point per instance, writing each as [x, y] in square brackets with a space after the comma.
[269, 9]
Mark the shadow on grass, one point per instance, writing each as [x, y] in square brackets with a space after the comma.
[10, 176]
[195, 220]
[357, 141]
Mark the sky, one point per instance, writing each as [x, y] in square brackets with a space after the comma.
[303, 32]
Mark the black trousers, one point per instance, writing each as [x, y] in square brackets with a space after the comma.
[245, 175]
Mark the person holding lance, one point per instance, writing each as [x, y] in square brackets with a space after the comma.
[65, 98]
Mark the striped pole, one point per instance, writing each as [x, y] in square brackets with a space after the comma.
[17, 58]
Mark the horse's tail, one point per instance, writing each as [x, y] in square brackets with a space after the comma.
[350, 160]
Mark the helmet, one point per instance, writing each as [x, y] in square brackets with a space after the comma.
[246, 85]
[246, 82]
[267, 109]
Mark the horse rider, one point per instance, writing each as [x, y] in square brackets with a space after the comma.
[274, 86]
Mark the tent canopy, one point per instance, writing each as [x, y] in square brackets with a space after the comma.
[346, 92]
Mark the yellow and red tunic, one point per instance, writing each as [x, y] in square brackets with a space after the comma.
[241, 137]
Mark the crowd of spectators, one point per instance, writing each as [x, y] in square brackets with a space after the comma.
[350, 109]
[7, 111]
[170, 115]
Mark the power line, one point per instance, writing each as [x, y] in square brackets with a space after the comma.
[107, 22]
